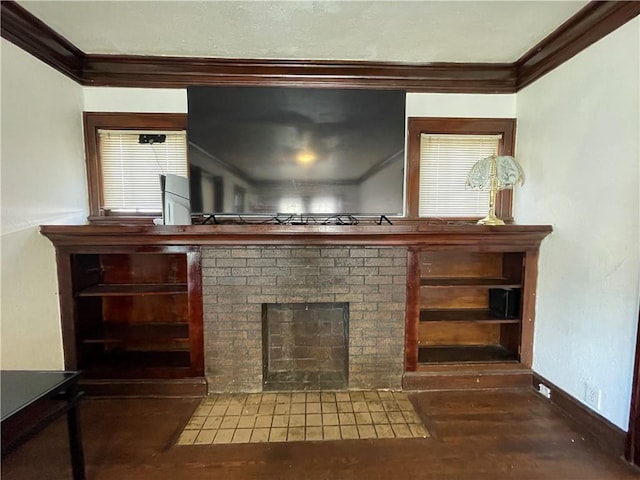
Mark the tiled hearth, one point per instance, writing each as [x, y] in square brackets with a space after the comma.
[238, 282]
[300, 416]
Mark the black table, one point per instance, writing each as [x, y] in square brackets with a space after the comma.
[31, 400]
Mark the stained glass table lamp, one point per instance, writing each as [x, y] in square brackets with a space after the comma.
[494, 173]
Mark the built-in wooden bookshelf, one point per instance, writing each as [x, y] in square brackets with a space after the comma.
[458, 323]
[132, 315]
[131, 296]
[470, 314]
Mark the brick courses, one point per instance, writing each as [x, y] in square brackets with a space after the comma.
[237, 281]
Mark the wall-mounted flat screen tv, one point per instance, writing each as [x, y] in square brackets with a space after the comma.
[309, 151]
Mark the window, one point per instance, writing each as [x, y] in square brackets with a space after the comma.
[131, 162]
[445, 161]
[441, 151]
[125, 154]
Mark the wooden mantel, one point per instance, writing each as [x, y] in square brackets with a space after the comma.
[472, 250]
[524, 237]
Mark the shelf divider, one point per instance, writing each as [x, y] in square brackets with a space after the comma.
[484, 282]
[132, 333]
[463, 315]
[114, 290]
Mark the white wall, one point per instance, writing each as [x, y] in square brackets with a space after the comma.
[43, 182]
[578, 141]
[139, 100]
[461, 105]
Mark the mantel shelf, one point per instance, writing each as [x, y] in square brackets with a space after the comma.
[401, 233]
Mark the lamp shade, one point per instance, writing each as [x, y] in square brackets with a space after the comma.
[504, 169]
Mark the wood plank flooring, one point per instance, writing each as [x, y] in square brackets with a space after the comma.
[476, 435]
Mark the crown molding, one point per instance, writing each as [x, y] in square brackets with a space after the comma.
[179, 72]
[33, 36]
[593, 22]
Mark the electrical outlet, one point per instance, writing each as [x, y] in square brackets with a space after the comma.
[544, 390]
[593, 396]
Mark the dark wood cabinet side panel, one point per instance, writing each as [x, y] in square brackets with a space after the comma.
[67, 308]
[412, 315]
[196, 334]
[529, 306]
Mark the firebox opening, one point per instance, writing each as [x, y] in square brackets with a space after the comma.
[305, 346]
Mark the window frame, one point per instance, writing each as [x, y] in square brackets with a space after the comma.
[94, 121]
[416, 126]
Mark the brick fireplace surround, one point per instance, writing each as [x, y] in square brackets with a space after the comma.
[238, 281]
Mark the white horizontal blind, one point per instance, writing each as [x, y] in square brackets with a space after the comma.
[445, 161]
[130, 170]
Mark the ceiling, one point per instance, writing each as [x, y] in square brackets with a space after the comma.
[395, 31]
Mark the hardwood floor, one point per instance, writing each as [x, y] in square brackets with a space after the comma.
[477, 435]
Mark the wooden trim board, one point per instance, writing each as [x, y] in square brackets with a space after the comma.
[590, 24]
[632, 453]
[609, 436]
[180, 72]
[482, 237]
[35, 37]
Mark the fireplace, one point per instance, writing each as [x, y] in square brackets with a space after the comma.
[241, 282]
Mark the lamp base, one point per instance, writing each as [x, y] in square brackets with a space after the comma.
[491, 219]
